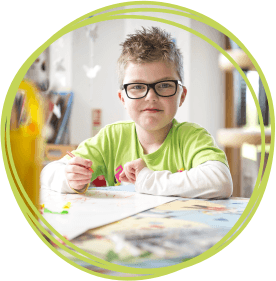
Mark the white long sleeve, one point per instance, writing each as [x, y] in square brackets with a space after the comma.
[53, 177]
[211, 179]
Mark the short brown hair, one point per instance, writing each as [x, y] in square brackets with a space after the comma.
[149, 45]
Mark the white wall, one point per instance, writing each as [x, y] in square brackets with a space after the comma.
[207, 90]
[61, 63]
[101, 91]
[105, 86]
[81, 87]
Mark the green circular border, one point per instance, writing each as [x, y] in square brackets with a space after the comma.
[26, 205]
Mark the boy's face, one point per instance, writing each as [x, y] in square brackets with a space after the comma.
[152, 113]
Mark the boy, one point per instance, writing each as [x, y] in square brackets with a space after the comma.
[154, 152]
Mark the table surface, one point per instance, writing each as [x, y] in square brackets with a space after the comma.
[204, 222]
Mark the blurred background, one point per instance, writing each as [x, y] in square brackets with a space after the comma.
[77, 77]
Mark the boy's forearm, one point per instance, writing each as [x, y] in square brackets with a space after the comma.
[208, 180]
[53, 177]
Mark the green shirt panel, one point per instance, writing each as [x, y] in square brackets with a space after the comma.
[186, 146]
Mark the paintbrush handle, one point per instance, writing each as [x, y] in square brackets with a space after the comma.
[72, 155]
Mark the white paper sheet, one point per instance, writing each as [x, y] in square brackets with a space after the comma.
[94, 208]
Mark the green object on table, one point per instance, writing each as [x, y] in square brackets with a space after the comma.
[60, 213]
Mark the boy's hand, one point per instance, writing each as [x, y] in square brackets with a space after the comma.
[77, 173]
[131, 170]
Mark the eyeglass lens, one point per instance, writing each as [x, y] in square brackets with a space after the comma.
[166, 88]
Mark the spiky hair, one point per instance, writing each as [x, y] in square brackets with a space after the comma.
[149, 45]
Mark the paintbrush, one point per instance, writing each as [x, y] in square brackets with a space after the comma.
[72, 155]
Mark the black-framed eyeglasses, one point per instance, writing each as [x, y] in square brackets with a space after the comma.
[166, 88]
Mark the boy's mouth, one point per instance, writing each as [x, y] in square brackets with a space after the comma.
[152, 110]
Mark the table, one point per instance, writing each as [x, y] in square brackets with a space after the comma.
[171, 222]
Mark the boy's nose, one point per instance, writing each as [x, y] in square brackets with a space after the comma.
[151, 95]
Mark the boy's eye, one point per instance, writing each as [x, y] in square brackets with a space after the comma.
[165, 85]
[136, 87]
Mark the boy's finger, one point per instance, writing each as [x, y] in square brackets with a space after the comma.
[80, 161]
[124, 178]
[122, 174]
[80, 165]
[74, 177]
[78, 184]
[130, 176]
[76, 169]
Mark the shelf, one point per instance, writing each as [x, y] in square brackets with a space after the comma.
[240, 57]
[236, 137]
[57, 151]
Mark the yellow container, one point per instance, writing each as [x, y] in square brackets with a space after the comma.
[27, 142]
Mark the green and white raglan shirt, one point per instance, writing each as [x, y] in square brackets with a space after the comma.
[187, 164]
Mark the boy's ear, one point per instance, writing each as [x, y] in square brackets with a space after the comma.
[121, 97]
[183, 96]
